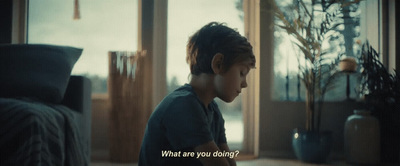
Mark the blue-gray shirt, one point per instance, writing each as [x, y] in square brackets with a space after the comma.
[178, 124]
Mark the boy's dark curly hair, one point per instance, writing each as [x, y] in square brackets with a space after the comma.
[216, 38]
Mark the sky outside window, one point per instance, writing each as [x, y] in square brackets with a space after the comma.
[104, 26]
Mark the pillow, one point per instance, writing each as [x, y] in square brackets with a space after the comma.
[36, 71]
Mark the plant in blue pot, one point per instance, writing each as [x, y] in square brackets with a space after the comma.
[315, 28]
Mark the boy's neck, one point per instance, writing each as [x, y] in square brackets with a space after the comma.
[203, 87]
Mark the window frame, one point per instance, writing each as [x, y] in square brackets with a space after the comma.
[250, 97]
[19, 21]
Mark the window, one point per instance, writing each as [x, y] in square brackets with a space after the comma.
[288, 58]
[104, 26]
[278, 117]
[112, 26]
[184, 18]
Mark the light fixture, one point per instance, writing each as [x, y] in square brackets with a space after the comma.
[77, 14]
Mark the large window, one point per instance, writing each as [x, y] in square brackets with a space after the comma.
[112, 26]
[103, 26]
[342, 41]
[184, 18]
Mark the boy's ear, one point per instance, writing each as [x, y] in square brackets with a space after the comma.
[216, 63]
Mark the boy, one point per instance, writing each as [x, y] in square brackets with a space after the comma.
[188, 119]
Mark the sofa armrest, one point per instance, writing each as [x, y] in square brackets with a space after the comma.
[78, 97]
[78, 94]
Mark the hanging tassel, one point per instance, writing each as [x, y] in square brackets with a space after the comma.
[77, 14]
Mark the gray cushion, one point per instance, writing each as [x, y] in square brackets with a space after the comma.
[36, 71]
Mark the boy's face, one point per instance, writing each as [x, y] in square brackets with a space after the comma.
[229, 84]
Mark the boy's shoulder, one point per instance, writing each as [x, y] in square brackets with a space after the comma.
[181, 96]
[182, 102]
[185, 95]
[184, 92]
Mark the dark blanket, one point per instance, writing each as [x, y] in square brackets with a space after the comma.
[36, 134]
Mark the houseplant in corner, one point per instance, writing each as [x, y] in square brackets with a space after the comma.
[381, 90]
[312, 24]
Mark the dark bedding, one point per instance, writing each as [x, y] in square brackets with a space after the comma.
[33, 133]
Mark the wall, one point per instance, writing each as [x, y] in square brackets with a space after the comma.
[100, 127]
[397, 34]
[6, 21]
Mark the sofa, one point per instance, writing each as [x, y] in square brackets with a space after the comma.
[45, 113]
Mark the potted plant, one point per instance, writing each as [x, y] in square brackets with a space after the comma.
[310, 26]
[380, 89]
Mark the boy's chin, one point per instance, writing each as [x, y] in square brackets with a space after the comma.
[228, 100]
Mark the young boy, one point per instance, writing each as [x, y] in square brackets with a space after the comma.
[188, 122]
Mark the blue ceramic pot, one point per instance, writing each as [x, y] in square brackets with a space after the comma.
[313, 147]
